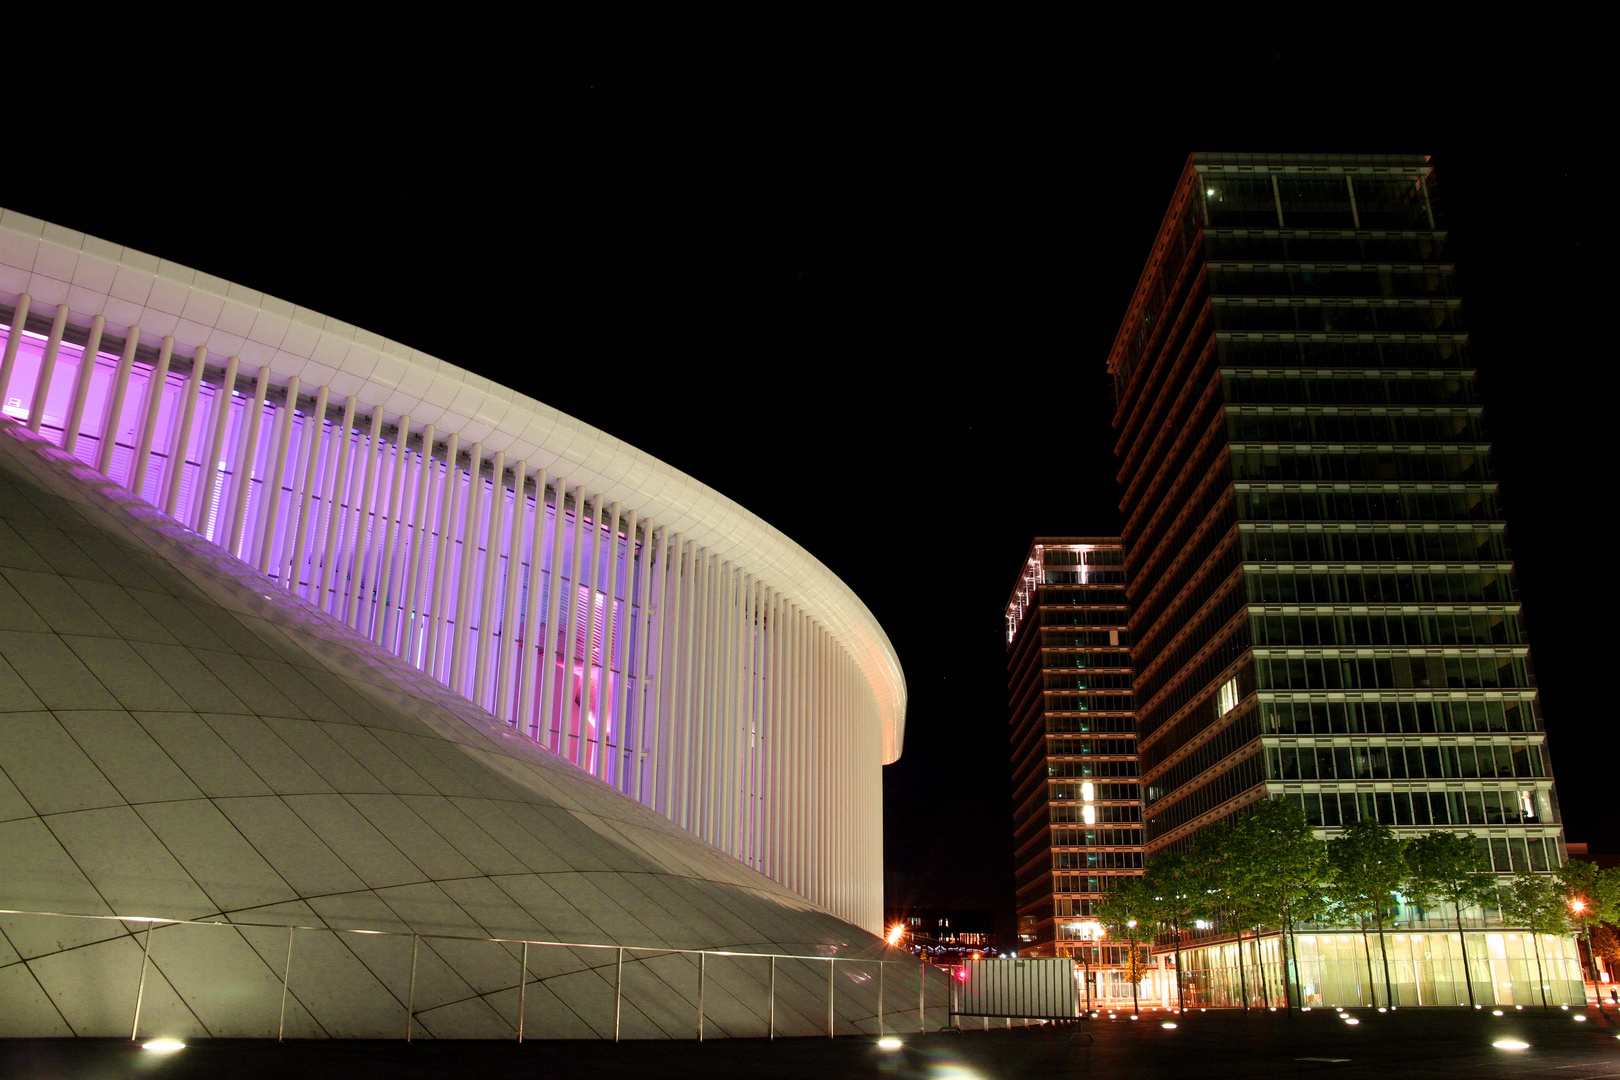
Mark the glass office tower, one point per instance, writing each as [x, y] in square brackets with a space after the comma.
[1322, 599]
[1077, 801]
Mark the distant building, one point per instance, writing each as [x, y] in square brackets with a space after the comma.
[1322, 598]
[940, 935]
[1076, 798]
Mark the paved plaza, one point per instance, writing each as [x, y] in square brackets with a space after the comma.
[1414, 1043]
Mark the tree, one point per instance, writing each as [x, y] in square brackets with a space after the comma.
[1447, 867]
[1605, 944]
[1131, 915]
[1535, 902]
[1218, 883]
[1284, 869]
[1591, 896]
[1366, 864]
[1177, 890]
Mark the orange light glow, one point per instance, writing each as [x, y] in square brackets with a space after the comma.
[896, 932]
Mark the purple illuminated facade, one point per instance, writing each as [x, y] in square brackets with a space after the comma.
[632, 636]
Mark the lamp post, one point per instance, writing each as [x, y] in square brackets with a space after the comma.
[1578, 906]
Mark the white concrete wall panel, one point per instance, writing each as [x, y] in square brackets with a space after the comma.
[343, 834]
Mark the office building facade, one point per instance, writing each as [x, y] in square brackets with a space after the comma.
[1076, 793]
[556, 618]
[1321, 594]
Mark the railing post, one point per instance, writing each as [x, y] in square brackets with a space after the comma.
[286, 974]
[881, 965]
[832, 967]
[523, 989]
[140, 988]
[922, 997]
[702, 956]
[410, 1003]
[773, 997]
[618, 993]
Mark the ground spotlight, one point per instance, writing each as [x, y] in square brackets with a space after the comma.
[1351, 1020]
[1496, 1012]
[163, 1046]
[1168, 1026]
[1382, 1009]
[1578, 1016]
[889, 1043]
[1510, 1044]
[1135, 1017]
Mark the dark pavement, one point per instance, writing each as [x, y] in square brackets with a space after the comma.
[1413, 1043]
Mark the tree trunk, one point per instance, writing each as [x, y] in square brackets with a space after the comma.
[1541, 979]
[1290, 947]
[1366, 947]
[1133, 969]
[1260, 967]
[1597, 987]
[1243, 975]
[1181, 995]
[1462, 943]
[1383, 950]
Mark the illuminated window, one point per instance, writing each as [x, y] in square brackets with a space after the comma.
[1228, 697]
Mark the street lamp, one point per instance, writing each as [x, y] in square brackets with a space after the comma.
[1578, 906]
[1088, 932]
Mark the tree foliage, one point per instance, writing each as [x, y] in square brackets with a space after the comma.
[1366, 866]
[1448, 867]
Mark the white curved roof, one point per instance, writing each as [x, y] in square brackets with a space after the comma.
[93, 277]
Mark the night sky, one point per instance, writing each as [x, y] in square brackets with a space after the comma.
[880, 320]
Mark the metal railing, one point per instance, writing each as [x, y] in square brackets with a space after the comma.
[943, 982]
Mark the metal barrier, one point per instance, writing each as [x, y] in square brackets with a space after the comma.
[526, 978]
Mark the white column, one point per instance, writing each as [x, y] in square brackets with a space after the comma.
[593, 557]
[47, 368]
[220, 421]
[492, 563]
[637, 710]
[623, 620]
[565, 699]
[323, 577]
[243, 469]
[502, 696]
[315, 421]
[775, 744]
[449, 485]
[19, 319]
[464, 575]
[278, 467]
[115, 397]
[686, 666]
[698, 703]
[658, 664]
[361, 547]
[182, 437]
[411, 611]
[724, 782]
[637, 596]
[604, 696]
[154, 403]
[382, 607]
[529, 657]
[81, 384]
[548, 639]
